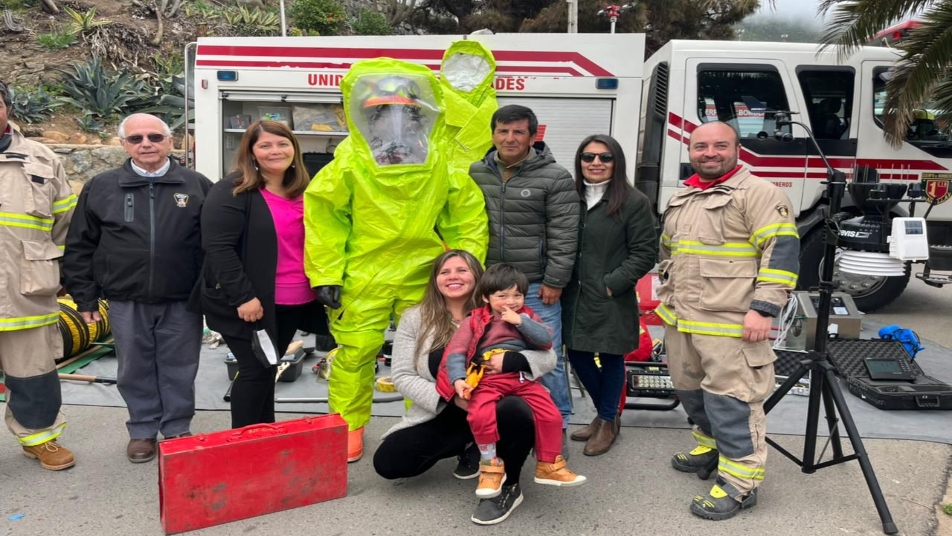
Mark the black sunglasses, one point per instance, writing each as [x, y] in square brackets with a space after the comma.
[136, 139]
[588, 158]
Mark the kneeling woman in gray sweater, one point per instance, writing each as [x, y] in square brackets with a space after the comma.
[433, 430]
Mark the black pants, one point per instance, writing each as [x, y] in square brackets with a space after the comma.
[413, 451]
[252, 394]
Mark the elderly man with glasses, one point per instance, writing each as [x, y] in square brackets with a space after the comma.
[135, 241]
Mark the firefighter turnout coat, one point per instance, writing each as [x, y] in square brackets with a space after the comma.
[36, 204]
[724, 251]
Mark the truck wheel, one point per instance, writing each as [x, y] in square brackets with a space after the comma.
[870, 293]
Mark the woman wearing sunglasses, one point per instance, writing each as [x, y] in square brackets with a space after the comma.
[253, 235]
[617, 245]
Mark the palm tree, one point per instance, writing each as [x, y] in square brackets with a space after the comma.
[923, 71]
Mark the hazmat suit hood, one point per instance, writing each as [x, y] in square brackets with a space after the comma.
[467, 74]
[393, 114]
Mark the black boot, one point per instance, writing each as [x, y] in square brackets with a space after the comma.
[717, 505]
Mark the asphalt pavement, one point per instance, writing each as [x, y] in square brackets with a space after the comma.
[631, 490]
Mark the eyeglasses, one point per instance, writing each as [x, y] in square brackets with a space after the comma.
[588, 158]
[136, 139]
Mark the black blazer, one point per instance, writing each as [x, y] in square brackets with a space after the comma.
[241, 257]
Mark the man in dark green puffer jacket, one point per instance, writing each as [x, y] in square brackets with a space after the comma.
[533, 224]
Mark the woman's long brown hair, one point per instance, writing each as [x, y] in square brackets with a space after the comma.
[437, 325]
[296, 177]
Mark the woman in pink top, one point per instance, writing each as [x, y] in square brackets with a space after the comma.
[254, 262]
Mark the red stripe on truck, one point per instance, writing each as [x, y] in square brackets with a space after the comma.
[292, 56]
[894, 168]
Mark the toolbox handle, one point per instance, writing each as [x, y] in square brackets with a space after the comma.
[256, 427]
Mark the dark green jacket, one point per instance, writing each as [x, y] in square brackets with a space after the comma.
[615, 254]
[533, 218]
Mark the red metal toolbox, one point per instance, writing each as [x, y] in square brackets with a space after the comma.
[209, 479]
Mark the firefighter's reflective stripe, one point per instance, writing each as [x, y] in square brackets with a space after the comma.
[24, 322]
[739, 470]
[710, 328]
[63, 205]
[777, 276]
[9, 219]
[42, 437]
[704, 441]
[666, 314]
[667, 243]
[773, 230]
[730, 249]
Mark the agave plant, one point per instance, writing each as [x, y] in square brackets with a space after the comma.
[171, 107]
[83, 23]
[253, 21]
[98, 92]
[33, 105]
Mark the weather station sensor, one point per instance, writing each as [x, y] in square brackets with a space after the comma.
[909, 240]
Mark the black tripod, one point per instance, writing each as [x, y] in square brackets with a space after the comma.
[823, 383]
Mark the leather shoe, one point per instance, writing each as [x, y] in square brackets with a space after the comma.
[602, 440]
[176, 436]
[584, 433]
[140, 450]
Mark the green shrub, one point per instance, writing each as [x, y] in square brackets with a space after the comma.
[318, 17]
[371, 22]
[56, 40]
[33, 105]
[947, 508]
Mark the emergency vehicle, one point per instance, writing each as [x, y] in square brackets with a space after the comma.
[580, 84]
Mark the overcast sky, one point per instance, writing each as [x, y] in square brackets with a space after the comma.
[791, 9]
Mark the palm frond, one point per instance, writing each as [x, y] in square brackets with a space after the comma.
[925, 64]
[855, 22]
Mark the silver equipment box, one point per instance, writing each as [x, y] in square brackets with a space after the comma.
[844, 315]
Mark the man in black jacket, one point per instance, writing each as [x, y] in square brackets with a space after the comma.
[533, 210]
[135, 240]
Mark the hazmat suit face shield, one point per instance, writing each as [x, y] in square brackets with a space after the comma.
[395, 115]
[466, 71]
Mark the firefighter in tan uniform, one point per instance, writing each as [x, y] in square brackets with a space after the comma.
[729, 259]
[36, 203]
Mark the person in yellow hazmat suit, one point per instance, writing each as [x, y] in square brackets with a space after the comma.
[467, 73]
[377, 216]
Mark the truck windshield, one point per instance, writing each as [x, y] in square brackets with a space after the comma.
[925, 131]
[743, 96]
